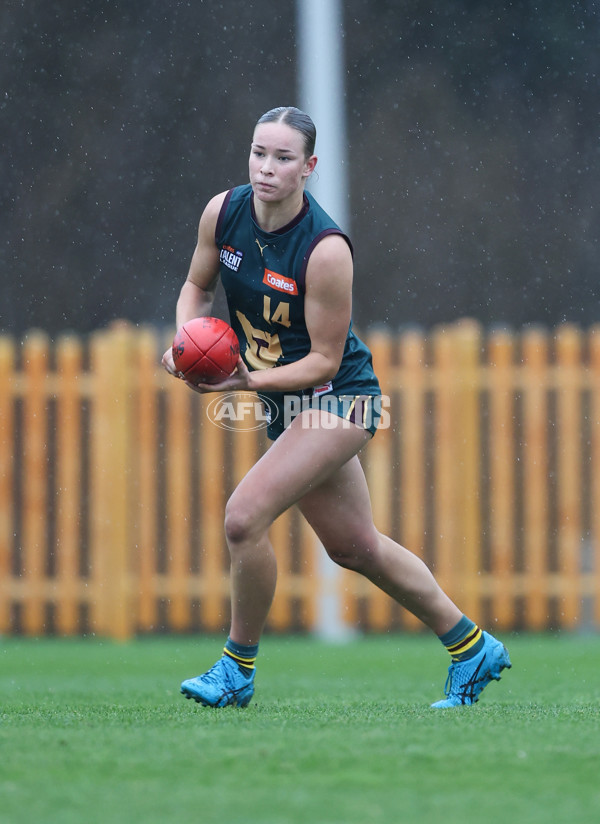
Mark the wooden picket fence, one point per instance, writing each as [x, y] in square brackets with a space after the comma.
[113, 482]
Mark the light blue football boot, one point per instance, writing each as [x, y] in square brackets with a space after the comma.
[223, 685]
[467, 679]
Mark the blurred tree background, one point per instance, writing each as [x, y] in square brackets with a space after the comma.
[473, 153]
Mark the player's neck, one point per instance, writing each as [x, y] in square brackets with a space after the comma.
[273, 216]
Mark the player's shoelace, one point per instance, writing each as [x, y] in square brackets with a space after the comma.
[225, 678]
[469, 689]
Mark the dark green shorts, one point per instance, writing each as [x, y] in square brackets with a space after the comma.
[362, 410]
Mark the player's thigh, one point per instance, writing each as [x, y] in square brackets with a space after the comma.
[301, 459]
[339, 511]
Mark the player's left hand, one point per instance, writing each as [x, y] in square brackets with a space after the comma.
[237, 381]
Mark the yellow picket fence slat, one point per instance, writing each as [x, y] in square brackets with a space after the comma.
[114, 479]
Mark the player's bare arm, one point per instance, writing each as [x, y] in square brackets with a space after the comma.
[198, 291]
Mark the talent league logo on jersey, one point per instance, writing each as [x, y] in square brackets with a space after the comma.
[231, 257]
[280, 282]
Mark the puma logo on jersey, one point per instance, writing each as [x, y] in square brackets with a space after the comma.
[262, 248]
[280, 282]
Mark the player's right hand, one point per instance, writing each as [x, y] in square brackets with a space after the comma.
[169, 364]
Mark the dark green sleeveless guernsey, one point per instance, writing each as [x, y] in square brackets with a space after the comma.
[263, 274]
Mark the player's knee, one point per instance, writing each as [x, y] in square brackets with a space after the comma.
[242, 520]
[238, 522]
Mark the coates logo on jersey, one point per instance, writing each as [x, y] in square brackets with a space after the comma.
[281, 283]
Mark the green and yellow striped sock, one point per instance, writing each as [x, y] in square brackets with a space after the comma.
[464, 640]
[244, 656]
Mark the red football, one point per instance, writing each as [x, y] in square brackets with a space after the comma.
[205, 350]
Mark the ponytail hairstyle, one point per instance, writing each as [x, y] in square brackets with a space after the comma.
[296, 119]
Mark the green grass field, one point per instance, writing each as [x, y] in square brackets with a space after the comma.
[94, 731]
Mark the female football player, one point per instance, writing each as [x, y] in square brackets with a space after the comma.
[286, 269]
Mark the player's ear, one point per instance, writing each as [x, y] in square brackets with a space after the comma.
[309, 166]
